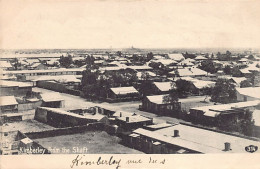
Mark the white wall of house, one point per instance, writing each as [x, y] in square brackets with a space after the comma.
[242, 98]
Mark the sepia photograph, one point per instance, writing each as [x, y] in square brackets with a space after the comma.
[129, 84]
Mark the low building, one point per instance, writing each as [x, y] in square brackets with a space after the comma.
[244, 61]
[26, 75]
[165, 62]
[38, 66]
[61, 118]
[200, 58]
[159, 104]
[67, 81]
[8, 104]
[52, 99]
[122, 93]
[248, 94]
[235, 80]
[14, 88]
[149, 73]
[176, 56]
[184, 139]
[127, 122]
[189, 71]
[256, 128]
[186, 63]
[226, 112]
[162, 87]
[4, 65]
[200, 86]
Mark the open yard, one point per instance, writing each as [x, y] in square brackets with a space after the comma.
[26, 126]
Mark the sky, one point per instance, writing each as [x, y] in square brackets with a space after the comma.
[62, 24]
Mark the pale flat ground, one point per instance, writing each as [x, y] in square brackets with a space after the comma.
[98, 142]
[26, 126]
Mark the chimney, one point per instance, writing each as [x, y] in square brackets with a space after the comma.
[227, 146]
[176, 133]
[127, 119]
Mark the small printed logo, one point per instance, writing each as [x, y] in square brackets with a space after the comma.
[251, 148]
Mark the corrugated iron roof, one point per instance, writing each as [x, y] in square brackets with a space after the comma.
[163, 86]
[51, 96]
[7, 100]
[124, 90]
[250, 91]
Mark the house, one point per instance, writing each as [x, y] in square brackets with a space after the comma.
[244, 61]
[68, 81]
[160, 104]
[32, 61]
[166, 62]
[189, 71]
[176, 56]
[252, 73]
[157, 57]
[8, 104]
[256, 118]
[185, 139]
[150, 74]
[6, 65]
[224, 112]
[187, 62]
[140, 68]
[129, 122]
[200, 58]
[53, 62]
[199, 84]
[60, 118]
[162, 87]
[248, 93]
[52, 99]
[8, 77]
[122, 93]
[37, 66]
[14, 88]
[27, 75]
[236, 80]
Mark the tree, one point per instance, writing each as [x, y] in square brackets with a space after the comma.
[66, 61]
[172, 98]
[245, 83]
[243, 124]
[208, 66]
[149, 56]
[146, 84]
[228, 54]
[247, 123]
[223, 92]
[184, 87]
[119, 53]
[156, 65]
[90, 61]
[227, 70]
[236, 72]
[251, 57]
[16, 63]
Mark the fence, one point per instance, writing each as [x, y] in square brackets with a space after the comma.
[65, 131]
[28, 106]
[58, 87]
